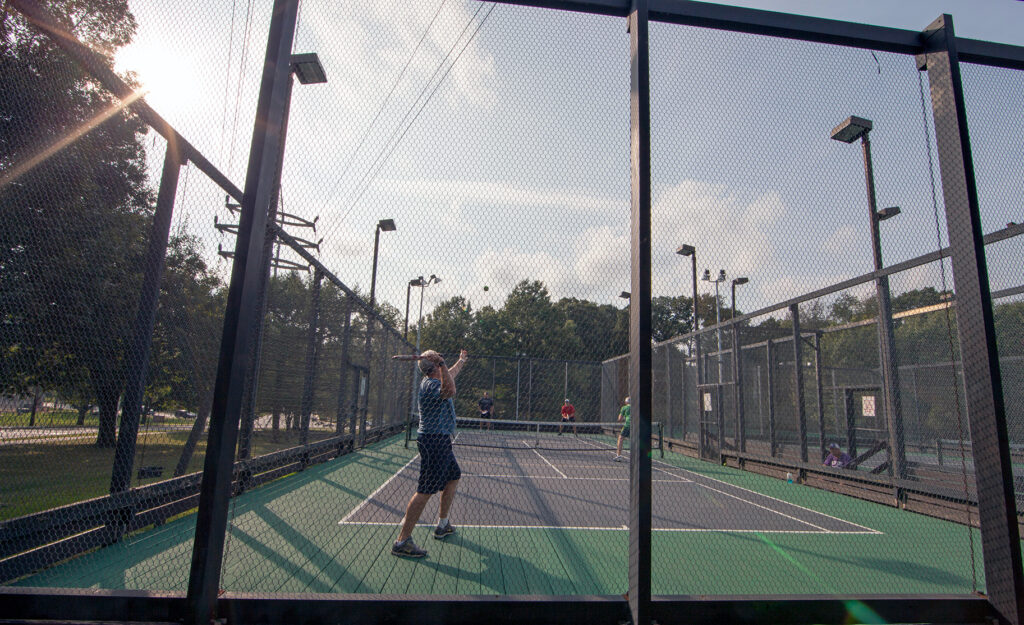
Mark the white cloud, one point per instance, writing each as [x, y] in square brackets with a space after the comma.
[840, 239]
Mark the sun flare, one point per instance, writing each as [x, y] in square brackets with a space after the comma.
[166, 79]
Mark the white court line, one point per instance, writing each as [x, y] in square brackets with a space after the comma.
[868, 530]
[374, 493]
[621, 528]
[546, 460]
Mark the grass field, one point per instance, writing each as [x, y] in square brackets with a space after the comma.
[38, 476]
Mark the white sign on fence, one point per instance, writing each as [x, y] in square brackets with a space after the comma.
[707, 402]
[867, 403]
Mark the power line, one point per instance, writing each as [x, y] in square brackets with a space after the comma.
[370, 177]
[366, 132]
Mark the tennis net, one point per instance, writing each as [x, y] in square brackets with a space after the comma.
[544, 435]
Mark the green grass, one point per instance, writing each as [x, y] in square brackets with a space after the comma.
[39, 476]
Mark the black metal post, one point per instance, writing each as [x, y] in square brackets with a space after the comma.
[668, 385]
[640, 353]
[529, 392]
[367, 357]
[818, 391]
[137, 361]
[887, 342]
[382, 376]
[1000, 536]
[408, 289]
[696, 319]
[373, 277]
[682, 399]
[240, 315]
[851, 424]
[346, 338]
[312, 356]
[252, 377]
[772, 444]
[737, 383]
[798, 372]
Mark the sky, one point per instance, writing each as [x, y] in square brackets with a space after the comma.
[501, 147]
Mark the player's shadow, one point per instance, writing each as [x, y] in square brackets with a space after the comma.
[500, 571]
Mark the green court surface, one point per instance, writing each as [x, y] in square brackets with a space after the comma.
[286, 537]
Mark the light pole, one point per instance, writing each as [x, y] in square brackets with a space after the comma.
[691, 251]
[736, 281]
[408, 288]
[851, 129]
[718, 313]
[423, 284]
[387, 225]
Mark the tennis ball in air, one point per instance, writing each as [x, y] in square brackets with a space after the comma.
[486, 287]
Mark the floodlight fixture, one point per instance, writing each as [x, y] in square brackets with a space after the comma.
[851, 129]
[886, 213]
[307, 68]
[433, 279]
[721, 274]
[624, 295]
[686, 250]
[737, 281]
[707, 275]
[387, 225]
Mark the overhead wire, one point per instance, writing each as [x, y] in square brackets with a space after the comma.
[227, 82]
[362, 140]
[372, 173]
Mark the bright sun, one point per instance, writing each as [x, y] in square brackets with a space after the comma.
[166, 79]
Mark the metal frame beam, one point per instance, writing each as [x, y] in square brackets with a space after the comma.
[240, 316]
[324, 609]
[789, 26]
[641, 365]
[1000, 536]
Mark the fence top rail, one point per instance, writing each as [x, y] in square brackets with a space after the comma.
[999, 235]
[790, 26]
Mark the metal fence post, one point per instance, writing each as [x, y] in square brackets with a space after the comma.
[137, 365]
[1000, 536]
[640, 352]
[312, 356]
[819, 394]
[798, 374]
[772, 443]
[239, 317]
[737, 383]
[346, 339]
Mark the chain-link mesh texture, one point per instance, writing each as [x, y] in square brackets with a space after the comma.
[461, 182]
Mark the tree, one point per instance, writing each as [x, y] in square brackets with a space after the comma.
[75, 223]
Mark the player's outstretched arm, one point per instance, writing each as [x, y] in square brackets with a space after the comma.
[457, 367]
[447, 382]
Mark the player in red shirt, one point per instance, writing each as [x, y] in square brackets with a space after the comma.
[568, 416]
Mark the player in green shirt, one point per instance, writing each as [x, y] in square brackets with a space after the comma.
[624, 433]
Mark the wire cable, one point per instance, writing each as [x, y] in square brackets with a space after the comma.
[348, 163]
[370, 177]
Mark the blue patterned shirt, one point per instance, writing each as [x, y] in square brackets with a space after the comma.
[437, 416]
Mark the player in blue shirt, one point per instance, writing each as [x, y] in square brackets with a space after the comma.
[439, 471]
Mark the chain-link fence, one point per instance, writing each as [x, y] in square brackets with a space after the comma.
[217, 388]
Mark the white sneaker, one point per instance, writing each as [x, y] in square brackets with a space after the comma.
[618, 458]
